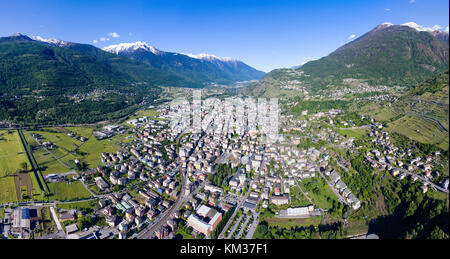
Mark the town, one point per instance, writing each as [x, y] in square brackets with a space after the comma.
[175, 177]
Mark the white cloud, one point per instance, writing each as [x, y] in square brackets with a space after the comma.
[95, 41]
[412, 1]
[387, 9]
[114, 34]
[104, 39]
[351, 36]
[446, 29]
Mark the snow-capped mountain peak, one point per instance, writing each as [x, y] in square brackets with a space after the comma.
[383, 26]
[436, 29]
[130, 47]
[56, 42]
[209, 57]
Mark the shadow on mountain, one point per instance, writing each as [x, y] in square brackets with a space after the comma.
[429, 220]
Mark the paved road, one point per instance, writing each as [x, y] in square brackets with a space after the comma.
[55, 218]
[242, 227]
[233, 229]
[425, 101]
[240, 202]
[149, 231]
[253, 226]
[437, 187]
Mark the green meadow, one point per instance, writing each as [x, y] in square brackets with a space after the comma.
[12, 153]
[66, 192]
[7, 190]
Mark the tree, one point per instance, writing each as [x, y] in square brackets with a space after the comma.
[24, 166]
[261, 230]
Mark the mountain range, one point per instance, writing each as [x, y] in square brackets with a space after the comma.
[388, 54]
[44, 80]
[64, 63]
[204, 68]
[49, 80]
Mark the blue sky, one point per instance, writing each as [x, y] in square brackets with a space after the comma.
[264, 34]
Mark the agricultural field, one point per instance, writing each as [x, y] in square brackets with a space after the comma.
[411, 117]
[440, 96]
[47, 159]
[8, 190]
[59, 138]
[51, 166]
[63, 191]
[69, 149]
[378, 112]
[425, 117]
[91, 150]
[151, 113]
[12, 153]
[420, 130]
[81, 131]
[24, 186]
[433, 110]
[37, 193]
